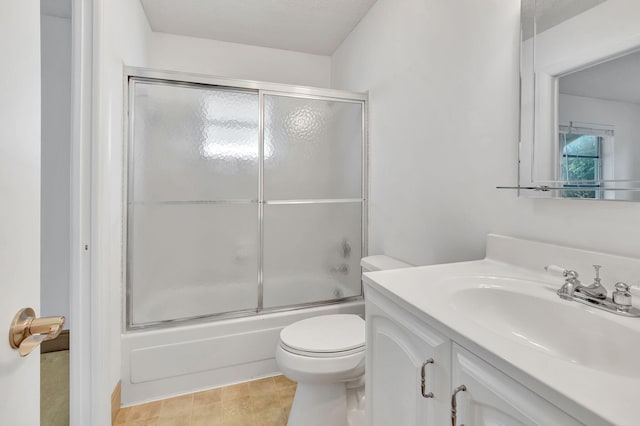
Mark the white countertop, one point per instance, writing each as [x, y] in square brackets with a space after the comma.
[584, 360]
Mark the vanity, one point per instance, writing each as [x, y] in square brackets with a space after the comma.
[491, 342]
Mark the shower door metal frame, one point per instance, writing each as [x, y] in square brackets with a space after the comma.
[132, 74]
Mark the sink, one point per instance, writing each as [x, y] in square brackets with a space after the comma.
[505, 309]
[531, 314]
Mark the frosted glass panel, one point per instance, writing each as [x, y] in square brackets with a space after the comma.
[313, 148]
[194, 246]
[194, 143]
[192, 260]
[311, 252]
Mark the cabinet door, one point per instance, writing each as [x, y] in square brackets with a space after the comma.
[397, 347]
[494, 399]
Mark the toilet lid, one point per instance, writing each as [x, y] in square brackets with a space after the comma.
[325, 334]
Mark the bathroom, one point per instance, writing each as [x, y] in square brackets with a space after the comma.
[441, 84]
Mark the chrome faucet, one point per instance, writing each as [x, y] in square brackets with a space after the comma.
[595, 295]
[571, 283]
[595, 290]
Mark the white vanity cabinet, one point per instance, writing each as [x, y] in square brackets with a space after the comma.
[493, 398]
[398, 344]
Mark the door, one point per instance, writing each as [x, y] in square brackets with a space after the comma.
[494, 399]
[20, 202]
[399, 350]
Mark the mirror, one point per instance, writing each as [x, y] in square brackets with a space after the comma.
[580, 98]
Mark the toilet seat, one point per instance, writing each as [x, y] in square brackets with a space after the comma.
[321, 354]
[326, 336]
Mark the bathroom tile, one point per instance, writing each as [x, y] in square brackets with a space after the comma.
[207, 397]
[283, 382]
[212, 410]
[265, 402]
[286, 410]
[271, 417]
[286, 390]
[236, 407]
[175, 421]
[287, 393]
[239, 420]
[203, 420]
[235, 391]
[146, 422]
[178, 406]
[121, 418]
[262, 387]
[139, 412]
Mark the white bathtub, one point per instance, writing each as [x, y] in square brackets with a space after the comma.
[181, 359]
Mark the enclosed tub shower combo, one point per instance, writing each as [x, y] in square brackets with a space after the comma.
[245, 211]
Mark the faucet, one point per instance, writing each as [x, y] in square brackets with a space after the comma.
[595, 290]
[571, 283]
[595, 295]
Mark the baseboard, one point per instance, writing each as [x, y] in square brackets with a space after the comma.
[60, 343]
[116, 401]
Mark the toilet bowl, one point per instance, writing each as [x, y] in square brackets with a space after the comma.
[325, 355]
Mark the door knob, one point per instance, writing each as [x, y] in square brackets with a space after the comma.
[27, 331]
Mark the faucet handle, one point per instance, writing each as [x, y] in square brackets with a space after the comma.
[622, 297]
[622, 287]
[570, 274]
[597, 268]
[571, 277]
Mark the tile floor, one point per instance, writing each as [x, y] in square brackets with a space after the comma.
[264, 402]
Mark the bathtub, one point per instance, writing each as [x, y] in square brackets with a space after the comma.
[170, 361]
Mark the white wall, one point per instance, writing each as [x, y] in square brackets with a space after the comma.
[56, 163]
[443, 82]
[232, 60]
[122, 38]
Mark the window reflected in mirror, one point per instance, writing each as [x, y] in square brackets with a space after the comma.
[584, 161]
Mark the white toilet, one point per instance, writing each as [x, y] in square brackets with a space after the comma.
[325, 355]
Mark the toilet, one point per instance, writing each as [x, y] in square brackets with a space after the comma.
[326, 356]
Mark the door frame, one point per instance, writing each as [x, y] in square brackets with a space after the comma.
[81, 384]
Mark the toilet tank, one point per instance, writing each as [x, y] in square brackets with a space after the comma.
[381, 263]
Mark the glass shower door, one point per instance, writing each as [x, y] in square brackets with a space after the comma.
[192, 201]
[313, 199]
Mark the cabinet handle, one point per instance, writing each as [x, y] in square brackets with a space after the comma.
[423, 375]
[454, 405]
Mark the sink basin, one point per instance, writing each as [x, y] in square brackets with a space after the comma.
[505, 309]
[532, 315]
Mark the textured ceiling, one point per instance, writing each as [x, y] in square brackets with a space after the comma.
[312, 26]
